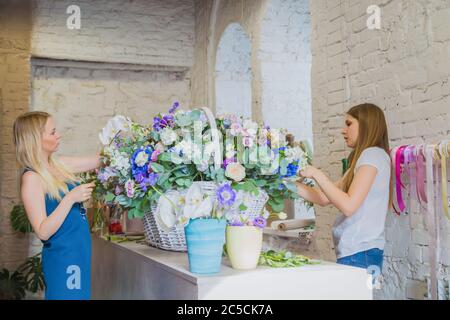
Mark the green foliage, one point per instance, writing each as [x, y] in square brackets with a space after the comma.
[19, 219]
[284, 259]
[32, 273]
[12, 285]
[27, 277]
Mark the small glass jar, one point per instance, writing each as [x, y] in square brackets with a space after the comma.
[115, 221]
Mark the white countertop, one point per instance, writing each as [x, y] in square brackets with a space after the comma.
[326, 280]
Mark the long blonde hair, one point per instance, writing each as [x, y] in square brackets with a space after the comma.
[372, 133]
[28, 129]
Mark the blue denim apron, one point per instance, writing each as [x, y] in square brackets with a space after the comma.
[66, 255]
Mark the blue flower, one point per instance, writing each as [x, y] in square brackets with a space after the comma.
[292, 169]
[135, 169]
[226, 123]
[260, 222]
[226, 195]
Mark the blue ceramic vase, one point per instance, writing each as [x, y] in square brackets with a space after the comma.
[205, 239]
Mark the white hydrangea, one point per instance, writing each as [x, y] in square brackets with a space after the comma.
[293, 154]
[120, 162]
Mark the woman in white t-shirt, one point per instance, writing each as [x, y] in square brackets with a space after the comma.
[363, 194]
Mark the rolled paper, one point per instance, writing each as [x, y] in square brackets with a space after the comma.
[292, 224]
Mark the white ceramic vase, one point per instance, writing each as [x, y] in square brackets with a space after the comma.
[244, 244]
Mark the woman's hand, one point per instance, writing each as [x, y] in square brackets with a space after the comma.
[81, 193]
[308, 172]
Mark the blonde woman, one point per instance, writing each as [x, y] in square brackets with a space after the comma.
[363, 194]
[53, 197]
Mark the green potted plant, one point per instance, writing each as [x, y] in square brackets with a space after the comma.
[28, 276]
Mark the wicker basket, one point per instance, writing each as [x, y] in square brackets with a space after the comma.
[175, 240]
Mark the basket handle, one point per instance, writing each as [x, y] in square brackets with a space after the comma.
[215, 138]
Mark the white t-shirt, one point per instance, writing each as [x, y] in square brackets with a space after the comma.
[364, 229]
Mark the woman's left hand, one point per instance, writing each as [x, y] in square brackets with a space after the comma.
[308, 172]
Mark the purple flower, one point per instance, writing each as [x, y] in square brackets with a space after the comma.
[139, 178]
[174, 107]
[236, 224]
[144, 181]
[226, 195]
[106, 173]
[259, 222]
[160, 123]
[152, 178]
[157, 124]
[143, 186]
[168, 120]
[118, 190]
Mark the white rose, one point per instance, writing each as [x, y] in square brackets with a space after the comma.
[235, 171]
[168, 136]
[141, 159]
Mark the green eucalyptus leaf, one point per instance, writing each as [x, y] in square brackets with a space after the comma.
[195, 115]
[157, 167]
[109, 197]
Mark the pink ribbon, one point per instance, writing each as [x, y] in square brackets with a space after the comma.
[420, 175]
[393, 153]
[410, 162]
[399, 160]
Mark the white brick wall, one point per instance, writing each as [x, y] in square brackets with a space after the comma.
[83, 100]
[404, 68]
[233, 74]
[285, 58]
[157, 32]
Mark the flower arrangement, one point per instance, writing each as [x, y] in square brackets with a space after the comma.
[143, 162]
